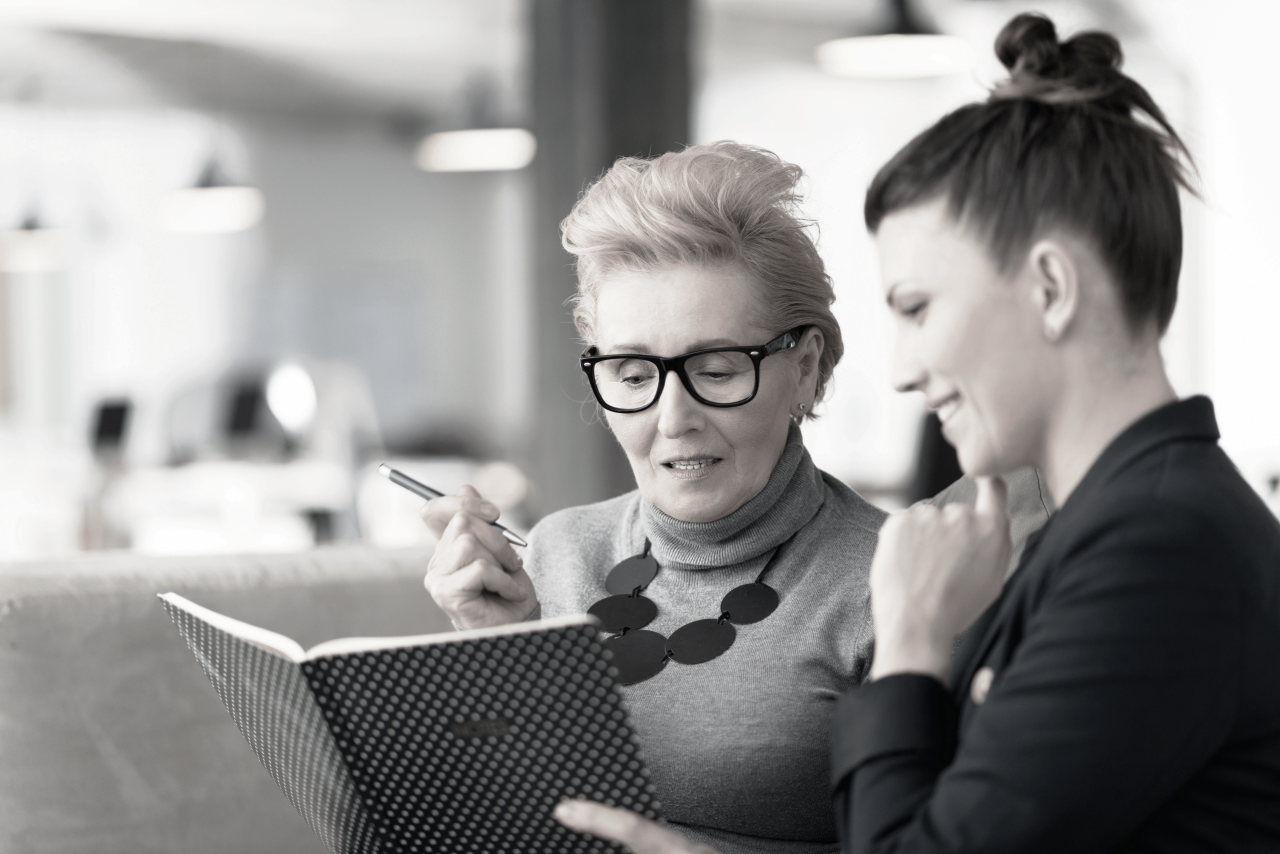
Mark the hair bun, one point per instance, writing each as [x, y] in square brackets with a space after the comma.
[1086, 67]
[1029, 43]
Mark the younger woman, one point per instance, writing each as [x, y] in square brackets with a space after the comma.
[1123, 691]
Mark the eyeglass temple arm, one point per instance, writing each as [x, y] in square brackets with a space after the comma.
[785, 341]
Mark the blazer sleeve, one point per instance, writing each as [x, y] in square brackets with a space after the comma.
[1122, 686]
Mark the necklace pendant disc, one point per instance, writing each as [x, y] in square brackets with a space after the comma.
[749, 603]
[635, 571]
[701, 641]
[624, 612]
[637, 655]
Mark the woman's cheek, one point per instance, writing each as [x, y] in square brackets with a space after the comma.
[630, 432]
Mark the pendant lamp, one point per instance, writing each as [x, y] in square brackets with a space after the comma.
[480, 150]
[904, 49]
[214, 205]
[32, 248]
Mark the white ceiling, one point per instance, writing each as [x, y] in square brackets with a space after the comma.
[278, 55]
[435, 62]
[404, 28]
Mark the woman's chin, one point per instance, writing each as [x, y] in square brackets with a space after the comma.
[982, 462]
[692, 499]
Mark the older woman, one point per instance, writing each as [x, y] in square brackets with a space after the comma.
[735, 577]
[706, 309]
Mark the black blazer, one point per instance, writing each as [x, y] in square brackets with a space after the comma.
[1133, 665]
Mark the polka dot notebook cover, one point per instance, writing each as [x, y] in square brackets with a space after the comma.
[460, 742]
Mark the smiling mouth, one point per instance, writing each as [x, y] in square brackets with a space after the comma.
[947, 408]
[692, 465]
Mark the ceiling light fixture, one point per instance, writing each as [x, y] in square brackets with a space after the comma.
[214, 205]
[905, 49]
[481, 150]
[32, 248]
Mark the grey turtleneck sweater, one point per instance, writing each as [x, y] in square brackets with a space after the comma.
[737, 747]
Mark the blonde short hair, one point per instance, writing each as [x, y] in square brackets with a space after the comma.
[716, 205]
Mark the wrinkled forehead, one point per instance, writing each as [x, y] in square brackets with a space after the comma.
[677, 309]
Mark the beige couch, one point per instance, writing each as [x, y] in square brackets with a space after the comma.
[111, 737]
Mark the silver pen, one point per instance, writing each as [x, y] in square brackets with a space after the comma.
[399, 478]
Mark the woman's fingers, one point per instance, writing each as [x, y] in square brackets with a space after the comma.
[993, 499]
[483, 594]
[636, 832]
[474, 574]
[439, 512]
[992, 511]
[479, 578]
[933, 573]
[468, 538]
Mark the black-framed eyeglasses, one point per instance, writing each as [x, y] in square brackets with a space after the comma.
[719, 376]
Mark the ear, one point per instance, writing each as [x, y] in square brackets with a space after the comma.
[809, 354]
[1055, 280]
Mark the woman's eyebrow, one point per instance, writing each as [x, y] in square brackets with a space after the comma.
[714, 342]
[644, 350]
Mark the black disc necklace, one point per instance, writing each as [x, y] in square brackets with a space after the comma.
[639, 654]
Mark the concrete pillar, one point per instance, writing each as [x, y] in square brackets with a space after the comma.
[610, 78]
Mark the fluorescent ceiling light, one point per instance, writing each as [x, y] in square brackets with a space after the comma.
[489, 150]
[31, 248]
[212, 210]
[895, 57]
[214, 205]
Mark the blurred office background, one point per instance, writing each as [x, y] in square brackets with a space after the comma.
[250, 248]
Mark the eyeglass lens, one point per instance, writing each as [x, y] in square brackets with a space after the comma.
[718, 377]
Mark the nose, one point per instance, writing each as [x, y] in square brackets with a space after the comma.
[908, 373]
[678, 412]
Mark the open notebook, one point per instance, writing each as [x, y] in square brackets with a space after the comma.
[458, 742]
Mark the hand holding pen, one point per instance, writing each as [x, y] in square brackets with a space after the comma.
[418, 488]
[475, 576]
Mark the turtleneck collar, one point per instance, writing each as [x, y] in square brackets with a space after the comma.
[788, 501]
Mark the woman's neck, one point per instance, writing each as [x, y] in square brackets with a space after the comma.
[792, 496]
[1099, 402]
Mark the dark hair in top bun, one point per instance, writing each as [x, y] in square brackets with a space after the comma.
[1066, 141]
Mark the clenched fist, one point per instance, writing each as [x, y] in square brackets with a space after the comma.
[935, 571]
